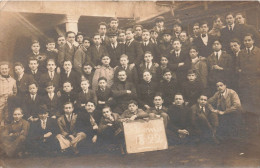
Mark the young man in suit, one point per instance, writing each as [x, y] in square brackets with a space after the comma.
[204, 121]
[165, 46]
[186, 44]
[97, 50]
[33, 69]
[177, 28]
[204, 41]
[114, 24]
[138, 30]
[195, 32]
[123, 91]
[219, 65]
[102, 30]
[70, 75]
[70, 133]
[159, 28]
[121, 37]
[42, 135]
[79, 38]
[147, 45]
[133, 49]
[179, 61]
[60, 41]
[68, 50]
[226, 104]
[114, 49]
[248, 69]
[51, 51]
[231, 31]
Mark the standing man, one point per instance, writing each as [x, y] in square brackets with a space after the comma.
[138, 32]
[102, 30]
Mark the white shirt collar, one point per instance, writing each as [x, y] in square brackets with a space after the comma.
[251, 48]
[160, 107]
[219, 52]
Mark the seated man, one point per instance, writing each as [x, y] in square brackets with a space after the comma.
[204, 121]
[42, 135]
[69, 136]
[227, 104]
[109, 128]
[179, 125]
[133, 112]
[14, 135]
[158, 110]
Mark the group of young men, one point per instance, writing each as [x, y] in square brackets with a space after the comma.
[79, 93]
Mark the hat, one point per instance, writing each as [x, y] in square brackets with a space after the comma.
[159, 18]
[167, 31]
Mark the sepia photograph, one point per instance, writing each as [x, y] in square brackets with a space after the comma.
[119, 83]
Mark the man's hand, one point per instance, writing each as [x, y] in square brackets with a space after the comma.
[181, 64]
[156, 65]
[101, 102]
[54, 117]
[47, 135]
[71, 137]
[183, 132]
[95, 127]
[131, 66]
[147, 107]
[59, 94]
[221, 112]
[128, 91]
[94, 139]
[133, 117]
[109, 124]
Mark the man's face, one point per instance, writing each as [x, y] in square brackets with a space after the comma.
[167, 76]
[148, 58]
[178, 99]
[33, 89]
[218, 23]
[18, 70]
[248, 41]
[86, 44]
[50, 89]
[71, 38]
[240, 19]
[202, 100]
[159, 23]
[36, 47]
[138, 31]
[196, 30]
[167, 38]
[158, 101]
[183, 37]
[4, 69]
[122, 76]
[87, 69]
[67, 66]
[61, 41]
[102, 30]
[67, 87]
[90, 107]
[177, 28]
[147, 76]
[235, 47]
[191, 77]
[114, 24]
[33, 65]
[51, 66]
[43, 116]
[221, 87]
[17, 115]
[230, 19]
[216, 46]
[84, 85]
[129, 35]
[146, 36]
[204, 29]
[102, 84]
[193, 53]
[50, 46]
[80, 39]
[176, 45]
[68, 108]
[113, 39]
[132, 107]
[105, 60]
[154, 35]
[164, 61]
[97, 40]
[124, 61]
[106, 112]
[122, 37]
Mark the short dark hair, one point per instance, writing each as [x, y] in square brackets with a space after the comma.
[229, 13]
[249, 34]
[33, 59]
[102, 78]
[68, 102]
[179, 93]
[33, 83]
[67, 81]
[235, 40]
[176, 39]
[158, 94]
[18, 64]
[132, 102]
[130, 29]
[204, 22]
[87, 38]
[91, 101]
[69, 32]
[191, 71]
[194, 48]
[102, 23]
[18, 108]
[106, 106]
[50, 83]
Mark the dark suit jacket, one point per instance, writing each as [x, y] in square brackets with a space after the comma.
[104, 96]
[84, 124]
[45, 78]
[66, 53]
[68, 128]
[165, 48]
[95, 54]
[146, 93]
[36, 76]
[30, 107]
[52, 105]
[152, 69]
[132, 75]
[22, 85]
[84, 98]
[204, 50]
[192, 91]
[134, 52]
[168, 90]
[153, 48]
[115, 53]
[74, 78]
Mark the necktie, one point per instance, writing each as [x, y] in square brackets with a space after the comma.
[248, 51]
[33, 97]
[177, 54]
[222, 102]
[69, 118]
[52, 75]
[128, 43]
[113, 46]
[147, 66]
[230, 28]
[67, 74]
[216, 55]
[202, 110]
[44, 124]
